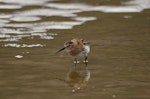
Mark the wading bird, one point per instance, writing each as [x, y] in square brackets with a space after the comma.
[77, 48]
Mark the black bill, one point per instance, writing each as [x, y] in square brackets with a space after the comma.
[60, 50]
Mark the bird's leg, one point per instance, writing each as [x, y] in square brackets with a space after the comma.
[75, 61]
[86, 61]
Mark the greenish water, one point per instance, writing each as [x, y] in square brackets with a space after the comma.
[31, 31]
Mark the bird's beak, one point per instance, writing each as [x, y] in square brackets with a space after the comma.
[62, 49]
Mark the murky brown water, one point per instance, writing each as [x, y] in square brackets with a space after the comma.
[31, 31]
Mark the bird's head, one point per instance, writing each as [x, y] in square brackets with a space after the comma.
[67, 44]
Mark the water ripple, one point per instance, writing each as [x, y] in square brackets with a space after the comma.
[84, 19]
[8, 6]
[46, 25]
[25, 18]
[22, 45]
[26, 2]
[15, 25]
[5, 16]
[47, 12]
[69, 6]
[130, 6]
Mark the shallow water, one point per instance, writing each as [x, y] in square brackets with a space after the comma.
[31, 31]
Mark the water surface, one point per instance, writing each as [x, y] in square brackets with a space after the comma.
[31, 31]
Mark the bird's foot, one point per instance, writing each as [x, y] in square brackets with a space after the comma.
[76, 62]
[85, 61]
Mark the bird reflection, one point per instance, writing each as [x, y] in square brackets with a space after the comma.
[77, 79]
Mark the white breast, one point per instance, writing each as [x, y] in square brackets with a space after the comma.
[85, 52]
[87, 49]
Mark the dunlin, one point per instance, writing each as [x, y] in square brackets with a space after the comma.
[77, 48]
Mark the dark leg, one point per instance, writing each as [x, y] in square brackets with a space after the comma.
[86, 61]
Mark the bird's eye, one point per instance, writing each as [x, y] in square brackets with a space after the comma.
[82, 40]
[70, 42]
